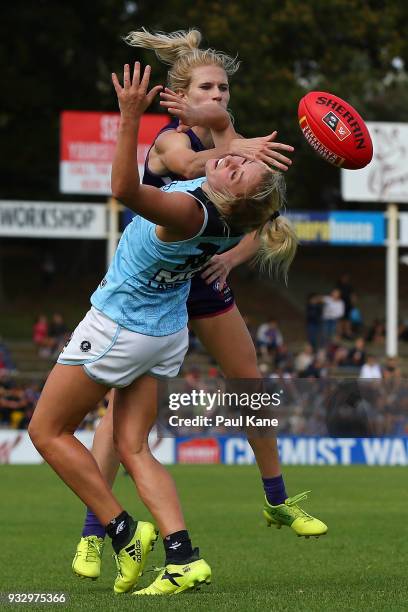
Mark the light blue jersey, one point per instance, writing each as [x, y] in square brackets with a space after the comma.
[148, 281]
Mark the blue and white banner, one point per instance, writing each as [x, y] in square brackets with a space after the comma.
[346, 228]
[297, 450]
[355, 228]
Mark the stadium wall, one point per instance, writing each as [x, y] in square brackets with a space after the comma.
[16, 448]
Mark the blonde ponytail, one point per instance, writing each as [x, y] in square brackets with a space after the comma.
[180, 50]
[278, 247]
[167, 47]
[278, 240]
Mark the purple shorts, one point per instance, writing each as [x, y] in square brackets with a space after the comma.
[207, 300]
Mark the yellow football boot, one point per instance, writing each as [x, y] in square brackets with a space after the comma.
[131, 559]
[174, 579]
[290, 515]
[87, 560]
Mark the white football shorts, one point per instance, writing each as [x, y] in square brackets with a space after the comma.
[115, 356]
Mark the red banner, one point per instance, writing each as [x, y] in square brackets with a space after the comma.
[87, 146]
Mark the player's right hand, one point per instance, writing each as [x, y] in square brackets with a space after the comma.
[133, 97]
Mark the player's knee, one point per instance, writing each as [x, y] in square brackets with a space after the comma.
[130, 449]
[37, 436]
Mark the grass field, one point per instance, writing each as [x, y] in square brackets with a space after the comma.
[360, 565]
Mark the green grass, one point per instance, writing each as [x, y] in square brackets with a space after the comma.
[360, 565]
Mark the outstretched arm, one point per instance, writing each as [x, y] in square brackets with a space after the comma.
[176, 211]
[174, 150]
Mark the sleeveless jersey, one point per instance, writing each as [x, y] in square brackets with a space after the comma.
[148, 281]
[151, 178]
[203, 300]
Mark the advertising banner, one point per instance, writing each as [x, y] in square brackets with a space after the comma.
[87, 146]
[355, 228]
[403, 219]
[17, 448]
[52, 219]
[305, 450]
[312, 227]
[385, 179]
[345, 228]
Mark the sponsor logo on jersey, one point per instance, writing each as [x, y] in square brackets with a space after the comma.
[85, 346]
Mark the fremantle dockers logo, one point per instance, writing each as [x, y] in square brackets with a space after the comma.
[337, 125]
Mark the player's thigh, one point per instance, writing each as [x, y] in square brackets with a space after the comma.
[68, 395]
[134, 414]
[227, 339]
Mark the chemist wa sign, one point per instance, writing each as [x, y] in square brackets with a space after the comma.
[87, 147]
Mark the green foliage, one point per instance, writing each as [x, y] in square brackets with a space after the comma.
[60, 56]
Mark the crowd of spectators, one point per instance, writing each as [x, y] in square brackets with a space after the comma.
[18, 399]
[338, 346]
[49, 336]
[309, 407]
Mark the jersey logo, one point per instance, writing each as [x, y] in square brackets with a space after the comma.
[169, 279]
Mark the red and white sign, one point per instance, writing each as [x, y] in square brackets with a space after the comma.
[200, 450]
[87, 146]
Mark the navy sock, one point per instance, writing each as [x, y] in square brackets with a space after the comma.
[178, 547]
[92, 526]
[275, 490]
[121, 529]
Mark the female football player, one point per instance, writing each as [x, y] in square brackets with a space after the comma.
[200, 77]
[136, 331]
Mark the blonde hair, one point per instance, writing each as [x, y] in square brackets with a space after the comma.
[253, 212]
[180, 50]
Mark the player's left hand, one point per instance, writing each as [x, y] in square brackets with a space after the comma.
[264, 149]
[218, 269]
[133, 97]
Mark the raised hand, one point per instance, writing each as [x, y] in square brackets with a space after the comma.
[263, 148]
[209, 115]
[133, 97]
[176, 105]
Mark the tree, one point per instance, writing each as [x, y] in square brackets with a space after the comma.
[287, 48]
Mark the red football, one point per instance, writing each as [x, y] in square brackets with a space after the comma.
[335, 130]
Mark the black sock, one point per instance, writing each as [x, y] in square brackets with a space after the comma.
[121, 529]
[177, 547]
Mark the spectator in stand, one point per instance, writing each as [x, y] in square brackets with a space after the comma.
[403, 331]
[333, 311]
[41, 337]
[314, 310]
[268, 337]
[335, 350]
[355, 316]
[317, 369]
[355, 357]
[283, 358]
[376, 332]
[6, 361]
[57, 332]
[346, 291]
[13, 405]
[392, 371]
[371, 369]
[304, 359]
